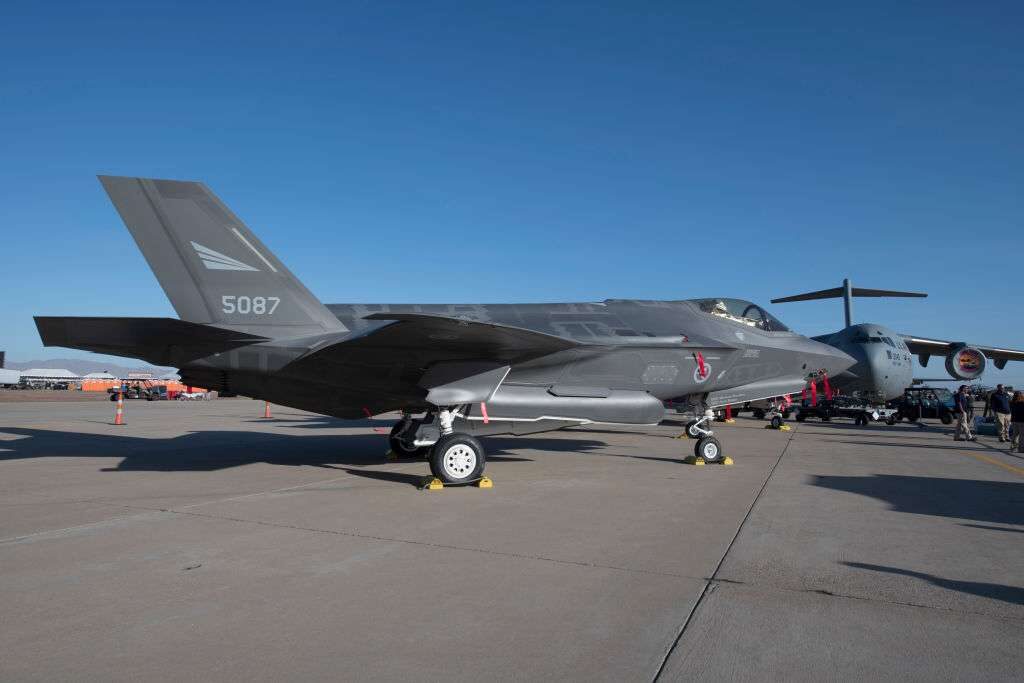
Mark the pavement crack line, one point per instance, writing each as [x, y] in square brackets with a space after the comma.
[147, 510]
[429, 544]
[711, 584]
[185, 511]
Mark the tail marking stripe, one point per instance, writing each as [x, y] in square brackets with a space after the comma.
[254, 250]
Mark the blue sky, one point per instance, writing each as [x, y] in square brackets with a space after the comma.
[530, 152]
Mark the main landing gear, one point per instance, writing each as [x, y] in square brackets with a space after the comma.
[454, 457]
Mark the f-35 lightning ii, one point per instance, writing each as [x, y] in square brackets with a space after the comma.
[248, 326]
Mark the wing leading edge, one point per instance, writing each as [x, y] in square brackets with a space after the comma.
[938, 347]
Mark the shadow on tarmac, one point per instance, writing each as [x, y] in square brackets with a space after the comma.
[207, 451]
[994, 528]
[994, 591]
[998, 502]
[977, 446]
[902, 427]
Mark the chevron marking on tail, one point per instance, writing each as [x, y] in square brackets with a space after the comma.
[214, 260]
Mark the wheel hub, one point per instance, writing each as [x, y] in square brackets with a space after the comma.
[459, 461]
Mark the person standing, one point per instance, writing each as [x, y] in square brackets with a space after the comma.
[963, 401]
[999, 403]
[1017, 418]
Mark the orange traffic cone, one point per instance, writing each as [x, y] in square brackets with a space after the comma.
[119, 412]
[266, 409]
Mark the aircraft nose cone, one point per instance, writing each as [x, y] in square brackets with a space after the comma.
[833, 361]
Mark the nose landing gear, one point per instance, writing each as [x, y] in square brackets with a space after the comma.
[708, 449]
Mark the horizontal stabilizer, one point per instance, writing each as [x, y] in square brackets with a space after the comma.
[160, 341]
[861, 291]
[837, 293]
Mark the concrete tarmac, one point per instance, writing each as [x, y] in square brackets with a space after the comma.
[200, 541]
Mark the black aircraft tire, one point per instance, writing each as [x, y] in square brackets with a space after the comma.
[691, 430]
[946, 418]
[891, 420]
[708, 448]
[457, 459]
[400, 449]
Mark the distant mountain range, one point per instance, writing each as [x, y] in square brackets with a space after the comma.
[83, 367]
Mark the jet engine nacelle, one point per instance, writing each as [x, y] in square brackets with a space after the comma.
[965, 362]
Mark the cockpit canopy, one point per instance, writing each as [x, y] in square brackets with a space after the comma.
[743, 312]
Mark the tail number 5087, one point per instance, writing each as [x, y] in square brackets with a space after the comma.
[258, 305]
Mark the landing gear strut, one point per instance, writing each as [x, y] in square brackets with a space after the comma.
[707, 446]
[401, 439]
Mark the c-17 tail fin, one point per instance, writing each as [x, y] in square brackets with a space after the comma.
[212, 267]
[846, 292]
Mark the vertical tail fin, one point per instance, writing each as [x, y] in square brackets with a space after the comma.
[846, 292]
[212, 267]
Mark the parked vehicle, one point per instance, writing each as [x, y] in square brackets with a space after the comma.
[857, 409]
[924, 402]
[193, 396]
[158, 393]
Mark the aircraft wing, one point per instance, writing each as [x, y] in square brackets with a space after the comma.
[939, 347]
[443, 335]
[449, 360]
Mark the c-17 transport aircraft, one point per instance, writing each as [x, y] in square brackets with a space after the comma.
[248, 326]
[884, 367]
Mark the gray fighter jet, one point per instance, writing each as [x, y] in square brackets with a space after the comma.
[884, 366]
[248, 326]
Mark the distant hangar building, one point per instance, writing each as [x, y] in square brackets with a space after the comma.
[49, 374]
[98, 376]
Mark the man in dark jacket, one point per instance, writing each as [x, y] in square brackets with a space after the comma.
[999, 402]
[1017, 417]
[963, 401]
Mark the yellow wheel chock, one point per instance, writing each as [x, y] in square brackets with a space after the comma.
[435, 484]
[700, 462]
